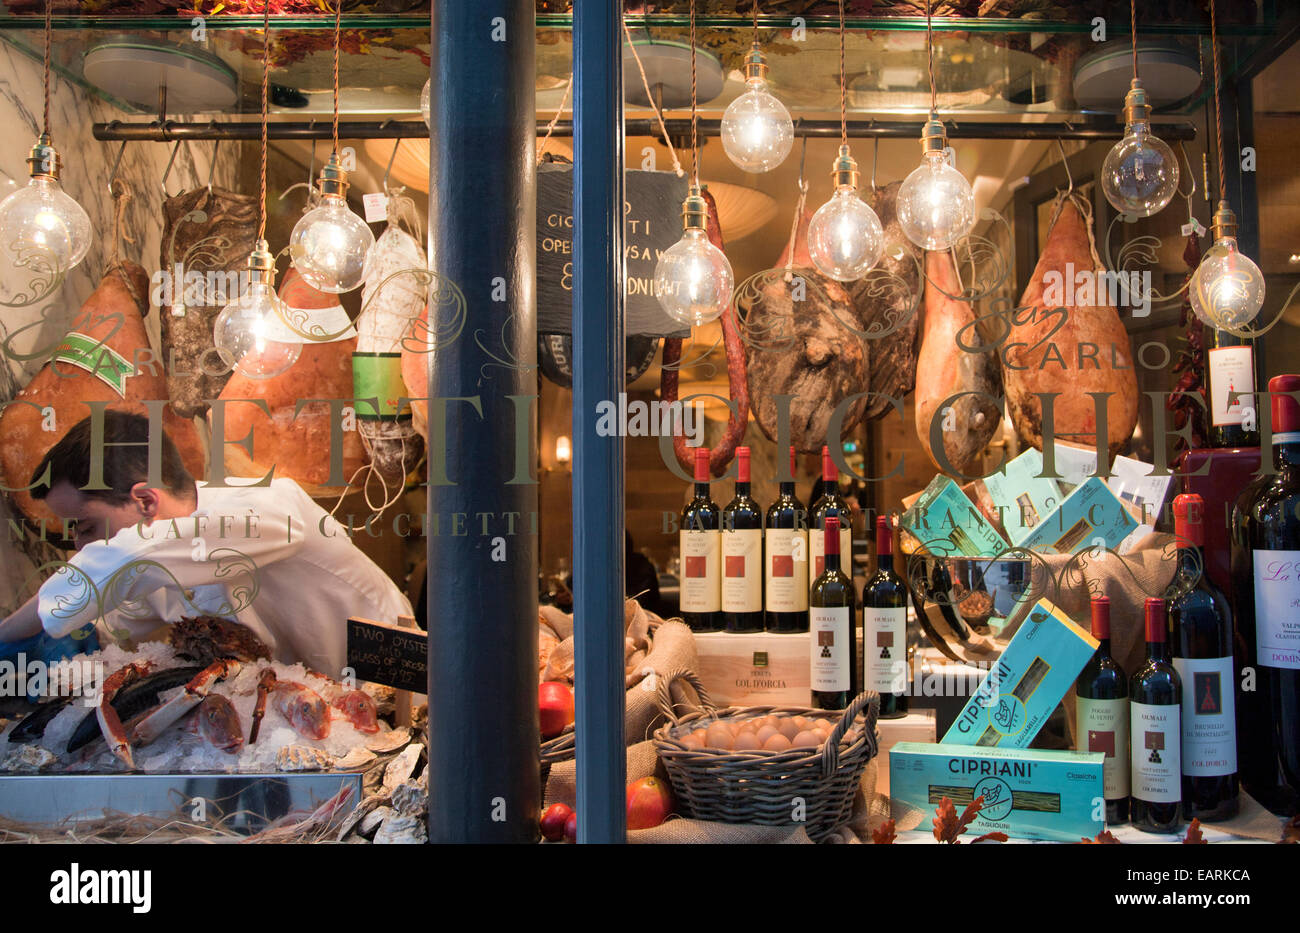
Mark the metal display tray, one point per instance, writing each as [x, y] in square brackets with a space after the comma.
[243, 803]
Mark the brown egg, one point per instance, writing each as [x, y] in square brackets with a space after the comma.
[788, 728]
[777, 743]
[801, 722]
[806, 739]
[719, 736]
[747, 725]
[692, 740]
[766, 733]
[701, 736]
[748, 742]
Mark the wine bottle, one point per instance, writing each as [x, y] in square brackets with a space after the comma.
[701, 546]
[832, 648]
[1230, 367]
[1266, 561]
[742, 555]
[1155, 733]
[1102, 715]
[830, 501]
[884, 628]
[1201, 623]
[785, 576]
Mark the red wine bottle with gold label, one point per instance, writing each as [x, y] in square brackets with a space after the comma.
[701, 555]
[785, 564]
[742, 555]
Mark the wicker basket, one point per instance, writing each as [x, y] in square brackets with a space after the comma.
[765, 787]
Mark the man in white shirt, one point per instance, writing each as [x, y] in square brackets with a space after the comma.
[267, 556]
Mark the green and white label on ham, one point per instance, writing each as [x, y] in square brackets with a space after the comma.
[379, 375]
[101, 361]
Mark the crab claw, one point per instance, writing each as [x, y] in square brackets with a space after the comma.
[153, 725]
[265, 684]
[109, 722]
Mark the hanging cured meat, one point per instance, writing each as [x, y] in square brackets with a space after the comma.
[298, 446]
[95, 362]
[390, 300]
[738, 386]
[824, 362]
[888, 304]
[1073, 349]
[207, 236]
[944, 368]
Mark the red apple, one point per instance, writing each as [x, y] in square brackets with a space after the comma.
[649, 801]
[553, 820]
[555, 705]
[571, 828]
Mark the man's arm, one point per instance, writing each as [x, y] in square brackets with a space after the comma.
[23, 622]
[132, 564]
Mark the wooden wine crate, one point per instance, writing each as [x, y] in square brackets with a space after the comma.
[916, 726]
[762, 669]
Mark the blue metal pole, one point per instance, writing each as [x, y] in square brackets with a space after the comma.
[484, 781]
[598, 376]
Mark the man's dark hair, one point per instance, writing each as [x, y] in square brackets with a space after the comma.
[124, 466]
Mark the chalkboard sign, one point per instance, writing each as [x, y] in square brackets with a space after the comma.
[387, 654]
[652, 222]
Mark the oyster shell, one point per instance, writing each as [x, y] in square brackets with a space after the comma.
[400, 768]
[302, 758]
[382, 742]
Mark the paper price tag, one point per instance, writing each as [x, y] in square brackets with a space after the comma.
[376, 206]
[1191, 225]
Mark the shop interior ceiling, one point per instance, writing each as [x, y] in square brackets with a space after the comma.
[1005, 61]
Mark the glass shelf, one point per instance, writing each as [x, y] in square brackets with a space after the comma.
[990, 67]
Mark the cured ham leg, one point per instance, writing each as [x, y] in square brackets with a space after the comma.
[1073, 350]
[944, 369]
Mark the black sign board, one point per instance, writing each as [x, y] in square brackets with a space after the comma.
[652, 223]
[387, 654]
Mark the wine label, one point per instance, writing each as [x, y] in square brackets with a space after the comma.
[830, 631]
[1102, 726]
[701, 581]
[786, 576]
[884, 639]
[742, 570]
[1209, 716]
[1232, 369]
[817, 546]
[1155, 744]
[1277, 593]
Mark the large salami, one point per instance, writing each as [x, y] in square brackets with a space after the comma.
[737, 383]
[1069, 349]
[95, 362]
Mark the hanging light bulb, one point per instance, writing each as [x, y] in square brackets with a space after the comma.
[41, 227]
[936, 206]
[845, 238]
[693, 278]
[247, 333]
[329, 243]
[425, 107]
[1227, 288]
[1140, 174]
[757, 132]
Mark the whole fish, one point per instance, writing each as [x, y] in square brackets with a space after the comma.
[219, 723]
[359, 709]
[305, 709]
[33, 725]
[132, 700]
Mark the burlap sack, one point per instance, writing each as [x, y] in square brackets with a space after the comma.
[672, 648]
